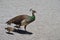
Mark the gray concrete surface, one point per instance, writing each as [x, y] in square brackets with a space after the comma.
[45, 27]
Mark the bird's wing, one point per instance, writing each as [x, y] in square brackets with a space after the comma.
[18, 19]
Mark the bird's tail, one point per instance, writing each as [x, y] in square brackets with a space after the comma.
[8, 22]
[5, 28]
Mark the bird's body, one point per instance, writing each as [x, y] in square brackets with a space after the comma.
[9, 29]
[22, 20]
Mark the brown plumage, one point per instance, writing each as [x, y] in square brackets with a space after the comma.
[22, 20]
[9, 29]
[16, 20]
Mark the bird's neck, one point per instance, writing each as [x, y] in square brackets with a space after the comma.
[33, 16]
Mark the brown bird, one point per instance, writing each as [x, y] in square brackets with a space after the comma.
[22, 20]
[9, 29]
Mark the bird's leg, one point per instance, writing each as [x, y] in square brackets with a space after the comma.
[25, 27]
[8, 31]
[18, 27]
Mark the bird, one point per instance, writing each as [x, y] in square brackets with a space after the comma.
[9, 29]
[22, 20]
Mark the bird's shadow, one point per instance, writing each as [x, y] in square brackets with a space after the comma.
[22, 31]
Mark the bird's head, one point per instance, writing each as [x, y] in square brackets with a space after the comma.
[33, 11]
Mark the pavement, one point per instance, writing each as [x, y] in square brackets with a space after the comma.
[45, 27]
